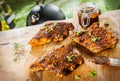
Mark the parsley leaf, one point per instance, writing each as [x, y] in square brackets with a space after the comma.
[78, 33]
[69, 58]
[98, 38]
[83, 30]
[90, 34]
[93, 73]
[95, 39]
[77, 77]
[49, 29]
[106, 24]
[16, 45]
[55, 23]
[19, 50]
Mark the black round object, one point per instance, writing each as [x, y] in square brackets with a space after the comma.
[42, 13]
[52, 12]
[35, 10]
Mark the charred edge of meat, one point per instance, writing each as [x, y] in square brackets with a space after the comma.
[95, 39]
[61, 61]
[52, 33]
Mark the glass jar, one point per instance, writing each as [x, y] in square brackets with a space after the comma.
[88, 13]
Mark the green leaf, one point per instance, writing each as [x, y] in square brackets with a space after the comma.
[77, 77]
[98, 38]
[69, 58]
[16, 45]
[106, 24]
[90, 34]
[49, 29]
[93, 73]
[78, 33]
[94, 39]
[55, 23]
[83, 30]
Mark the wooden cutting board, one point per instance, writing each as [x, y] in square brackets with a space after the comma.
[11, 70]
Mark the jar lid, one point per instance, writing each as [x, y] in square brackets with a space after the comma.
[88, 8]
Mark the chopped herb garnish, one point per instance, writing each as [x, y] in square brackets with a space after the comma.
[92, 74]
[78, 33]
[98, 38]
[106, 24]
[19, 50]
[95, 39]
[46, 28]
[16, 45]
[77, 77]
[83, 30]
[69, 58]
[49, 29]
[90, 34]
[16, 57]
[55, 23]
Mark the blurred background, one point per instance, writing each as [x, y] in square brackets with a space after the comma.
[21, 8]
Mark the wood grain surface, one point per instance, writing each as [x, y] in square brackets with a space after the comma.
[11, 70]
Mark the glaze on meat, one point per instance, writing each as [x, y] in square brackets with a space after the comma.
[95, 38]
[61, 61]
[52, 32]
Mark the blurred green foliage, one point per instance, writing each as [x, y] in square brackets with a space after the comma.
[22, 7]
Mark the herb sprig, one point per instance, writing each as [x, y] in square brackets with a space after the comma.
[19, 50]
[16, 45]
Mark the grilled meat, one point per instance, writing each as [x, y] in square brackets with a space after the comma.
[60, 61]
[95, 38]
[52, 31]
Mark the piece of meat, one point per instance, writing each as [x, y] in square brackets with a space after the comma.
[61, 61]
[52, 32]
[95, 38]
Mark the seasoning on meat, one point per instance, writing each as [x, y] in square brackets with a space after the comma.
[52, 32]
[95, 38]
[61, 61]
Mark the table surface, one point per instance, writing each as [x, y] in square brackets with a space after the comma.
[11, 70]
